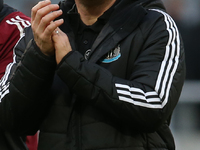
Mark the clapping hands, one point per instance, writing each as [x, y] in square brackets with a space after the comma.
[47, 35]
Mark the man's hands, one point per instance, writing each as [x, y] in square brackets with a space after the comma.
[61, 43]
[43, 26]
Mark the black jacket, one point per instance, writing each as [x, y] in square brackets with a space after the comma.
[121, 97]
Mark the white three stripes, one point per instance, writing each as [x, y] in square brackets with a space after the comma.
[21, 24]
[165, 75]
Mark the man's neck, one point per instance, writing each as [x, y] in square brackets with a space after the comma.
[91, 10]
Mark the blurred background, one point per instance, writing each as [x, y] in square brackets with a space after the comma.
[185, 123]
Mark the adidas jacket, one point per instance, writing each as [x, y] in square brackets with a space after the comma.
[121, 97]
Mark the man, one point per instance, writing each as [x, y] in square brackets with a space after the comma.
[12, 23]
[103, 74]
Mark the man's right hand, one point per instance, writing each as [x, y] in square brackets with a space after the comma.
[43, 25]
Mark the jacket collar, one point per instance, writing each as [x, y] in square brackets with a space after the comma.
[5, 11]
[1, 5]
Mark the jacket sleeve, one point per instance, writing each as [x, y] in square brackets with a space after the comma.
[22, 108]
[147, 99]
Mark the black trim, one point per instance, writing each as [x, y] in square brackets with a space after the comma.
[1, 5]
[6, 10]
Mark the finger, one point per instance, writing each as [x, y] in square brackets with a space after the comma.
[44, 12]
[60, 31]
[40, 5]
[51, 28]
[57, 32]
[46, 20]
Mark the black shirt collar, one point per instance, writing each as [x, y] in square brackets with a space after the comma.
[78, 26]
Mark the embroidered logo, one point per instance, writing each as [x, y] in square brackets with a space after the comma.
[87, 53]
[113, 55]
